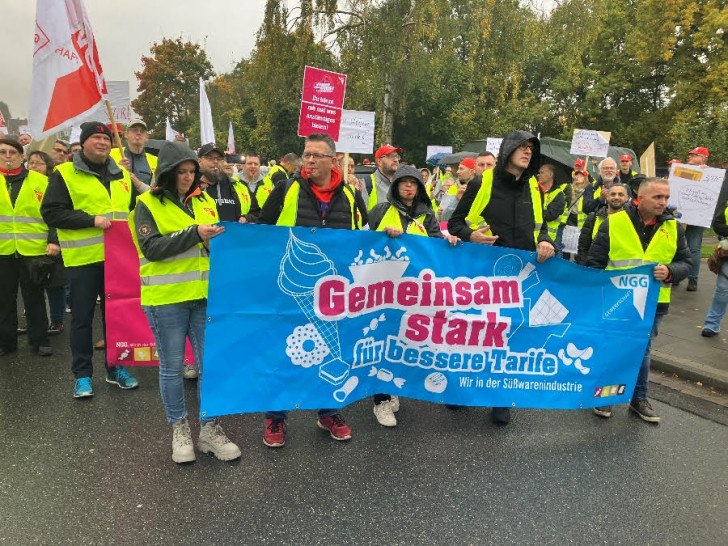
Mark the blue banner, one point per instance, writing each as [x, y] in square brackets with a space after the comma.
[306, 319]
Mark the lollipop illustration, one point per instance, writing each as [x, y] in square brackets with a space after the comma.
[302, 265]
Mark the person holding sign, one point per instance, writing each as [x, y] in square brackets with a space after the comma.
[172, 226]
[697, 157]
[407, 210]
[317, 197]
[641, 234]
[505, 208]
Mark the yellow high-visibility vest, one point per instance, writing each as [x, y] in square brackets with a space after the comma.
[22, 228]
[289, 213]
[391, 219]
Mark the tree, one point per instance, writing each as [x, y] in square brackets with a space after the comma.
[169, 85]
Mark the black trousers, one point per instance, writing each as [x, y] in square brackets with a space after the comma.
[87, 283]
[14, 272]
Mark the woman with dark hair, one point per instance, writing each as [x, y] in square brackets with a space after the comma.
[40, 162]
[172, 226]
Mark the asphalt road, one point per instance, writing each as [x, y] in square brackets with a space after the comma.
[99, 471]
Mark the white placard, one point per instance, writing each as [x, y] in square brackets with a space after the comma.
[570, 239]
[493, 145]
[433, 149]
[75, 134]
[120, 105]
[590, 143]
[356, 133]
[694, 192]
[24, 130]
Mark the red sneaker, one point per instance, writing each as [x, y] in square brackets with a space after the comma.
[336, 426]
[274, 434]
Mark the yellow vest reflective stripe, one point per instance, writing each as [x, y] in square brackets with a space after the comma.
[372, 194]
[625, 247]
[553, 225]
[289, 212]
[22, 228]
[474, 218]
[243, 195]
[391, 219]
[151, 160]
[86, 246]
[183, 277]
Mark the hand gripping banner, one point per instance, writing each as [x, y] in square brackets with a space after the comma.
[305, 319]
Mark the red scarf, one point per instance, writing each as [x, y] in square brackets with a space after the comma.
[11, 173]
[324, 194]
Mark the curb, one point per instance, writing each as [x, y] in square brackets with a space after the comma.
[689, 369]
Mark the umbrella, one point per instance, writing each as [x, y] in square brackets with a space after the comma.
[434, 159]
[456, 158]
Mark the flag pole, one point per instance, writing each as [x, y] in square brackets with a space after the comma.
[114, 128]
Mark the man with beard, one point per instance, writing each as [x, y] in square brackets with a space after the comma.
[617, 198]
[233, 200]
[387, 159]
[505, 208]
[596, 196]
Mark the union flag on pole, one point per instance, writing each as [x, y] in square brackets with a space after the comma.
[68, 80]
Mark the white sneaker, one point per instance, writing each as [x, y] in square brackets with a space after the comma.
[384, 414]
[190, 372]
[183, 450]
[213, 439]
[394, 402]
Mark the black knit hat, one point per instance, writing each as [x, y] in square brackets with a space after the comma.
[94, 127]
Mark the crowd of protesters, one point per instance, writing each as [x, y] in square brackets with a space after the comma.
[57, 206]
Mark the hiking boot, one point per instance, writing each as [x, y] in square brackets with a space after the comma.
[117, 375]
[183, 450]
[274, 434]
[708, 333]
[603, 411]
[190, 372]
[385, 414]
[55, 329]
[83, 388]
[501, 416]
[692, 285]
[394, 402]
[644, 410]
[213, 439]
[336, 426]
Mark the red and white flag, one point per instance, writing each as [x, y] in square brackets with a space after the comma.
[231, 139]
[68, 81]
[3, 127]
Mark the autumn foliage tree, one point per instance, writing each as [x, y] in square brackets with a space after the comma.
[169, 85]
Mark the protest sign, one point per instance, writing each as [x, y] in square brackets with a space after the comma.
[356, 133]
[347, 314]
[434, 149]
[694, 192]
[75, 134]
[170, 133]
[322, 100]
[647, 161]
[590, 143]
[129, 340]
[118, 96]
[570, 239]
[68, 81]
[493, 145]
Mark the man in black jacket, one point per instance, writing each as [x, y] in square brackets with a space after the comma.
[321, 199]
[513, 216]
[617, 198]
[660, 236]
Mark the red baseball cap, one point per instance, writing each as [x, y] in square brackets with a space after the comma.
[386, 150]
[700, 150]
[468, 162]
[366, 160]
[625, 157]
[579, 163]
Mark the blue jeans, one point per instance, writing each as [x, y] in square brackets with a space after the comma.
[640, 389]
[719, 303]
[322, 413]
[56, 303]
[694, 236]
[171, 325]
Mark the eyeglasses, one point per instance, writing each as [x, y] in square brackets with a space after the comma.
[317, 157]
[60, 150]
[215, 158]
[526, 146]
[38, 163]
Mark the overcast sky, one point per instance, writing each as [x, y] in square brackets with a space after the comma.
[125, 30]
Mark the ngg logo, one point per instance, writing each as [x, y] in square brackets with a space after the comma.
[633, 281]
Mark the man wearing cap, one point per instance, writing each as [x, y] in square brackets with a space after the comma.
[387, 159]
[625, 169]
[697, 157]
[83, 197]
[24, 238]
[140, 165]
[465, 174]
[505, 208]
[233, 199]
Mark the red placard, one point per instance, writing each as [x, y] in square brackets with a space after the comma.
[323, 87]
[129, 340]
[321, 102]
